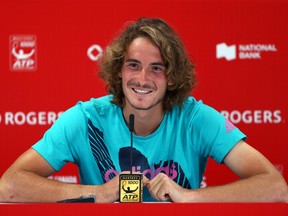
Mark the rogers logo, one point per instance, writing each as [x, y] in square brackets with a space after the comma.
[253, 116]
[30, 118]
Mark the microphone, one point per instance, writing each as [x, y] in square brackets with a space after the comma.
[131, 122]
[130, 185]
[131, 128]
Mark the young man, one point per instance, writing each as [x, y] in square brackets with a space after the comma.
[148, 74]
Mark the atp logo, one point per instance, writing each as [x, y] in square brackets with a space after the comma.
[23, 50]
[224, 51]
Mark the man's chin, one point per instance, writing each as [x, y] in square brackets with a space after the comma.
[141, 105]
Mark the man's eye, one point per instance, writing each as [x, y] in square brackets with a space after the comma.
[158, 68]
[133, 65]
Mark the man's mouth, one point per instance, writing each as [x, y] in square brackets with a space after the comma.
[141, 92]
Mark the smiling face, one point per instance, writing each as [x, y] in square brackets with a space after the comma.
[143, 76]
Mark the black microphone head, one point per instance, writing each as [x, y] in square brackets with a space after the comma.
[131, 122]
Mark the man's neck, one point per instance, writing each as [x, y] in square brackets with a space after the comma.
[146, 121]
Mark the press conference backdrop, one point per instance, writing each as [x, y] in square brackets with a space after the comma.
[49, 49]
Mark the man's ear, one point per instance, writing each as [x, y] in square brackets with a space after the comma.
[171, 86]
[119, 74]
[170, 83]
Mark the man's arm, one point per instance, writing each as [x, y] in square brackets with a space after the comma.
[260, 182]
[26, 181]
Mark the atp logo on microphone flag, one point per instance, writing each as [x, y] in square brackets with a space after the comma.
[130, 188]
[23, 50]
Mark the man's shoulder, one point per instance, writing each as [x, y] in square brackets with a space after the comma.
[196, 109]
[191, 104]
[100, 102]
[98, 105]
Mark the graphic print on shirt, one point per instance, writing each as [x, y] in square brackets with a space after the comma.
[229, 126]
[100, 151]
[139, 161]
[140, 164]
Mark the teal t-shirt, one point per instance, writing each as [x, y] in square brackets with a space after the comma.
[94, 136]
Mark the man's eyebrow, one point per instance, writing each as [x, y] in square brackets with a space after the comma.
[132, 60]
[153, 64]
[158, 63]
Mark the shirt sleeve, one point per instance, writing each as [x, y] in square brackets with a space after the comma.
[56, 146]
[215, 135]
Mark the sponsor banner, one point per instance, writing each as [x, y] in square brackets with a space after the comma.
[48, 57]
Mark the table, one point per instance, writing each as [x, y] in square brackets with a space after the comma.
[175, 209]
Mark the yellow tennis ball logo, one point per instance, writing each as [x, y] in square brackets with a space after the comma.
[124, 183]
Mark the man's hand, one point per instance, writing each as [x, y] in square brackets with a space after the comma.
[164, 188]
[109, 191]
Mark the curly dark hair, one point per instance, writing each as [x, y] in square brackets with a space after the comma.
[180, 70]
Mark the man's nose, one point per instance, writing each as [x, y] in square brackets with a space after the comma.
[143, 75]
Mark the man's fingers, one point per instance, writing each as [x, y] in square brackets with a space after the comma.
[145, 180]
[157, 187]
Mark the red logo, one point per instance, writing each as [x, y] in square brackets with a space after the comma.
[23, 52]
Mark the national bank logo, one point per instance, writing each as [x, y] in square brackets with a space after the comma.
[23, 53]
[224, 51]
[243, 51]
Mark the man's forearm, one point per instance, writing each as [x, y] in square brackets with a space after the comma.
[259, 188]
[26, 186]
